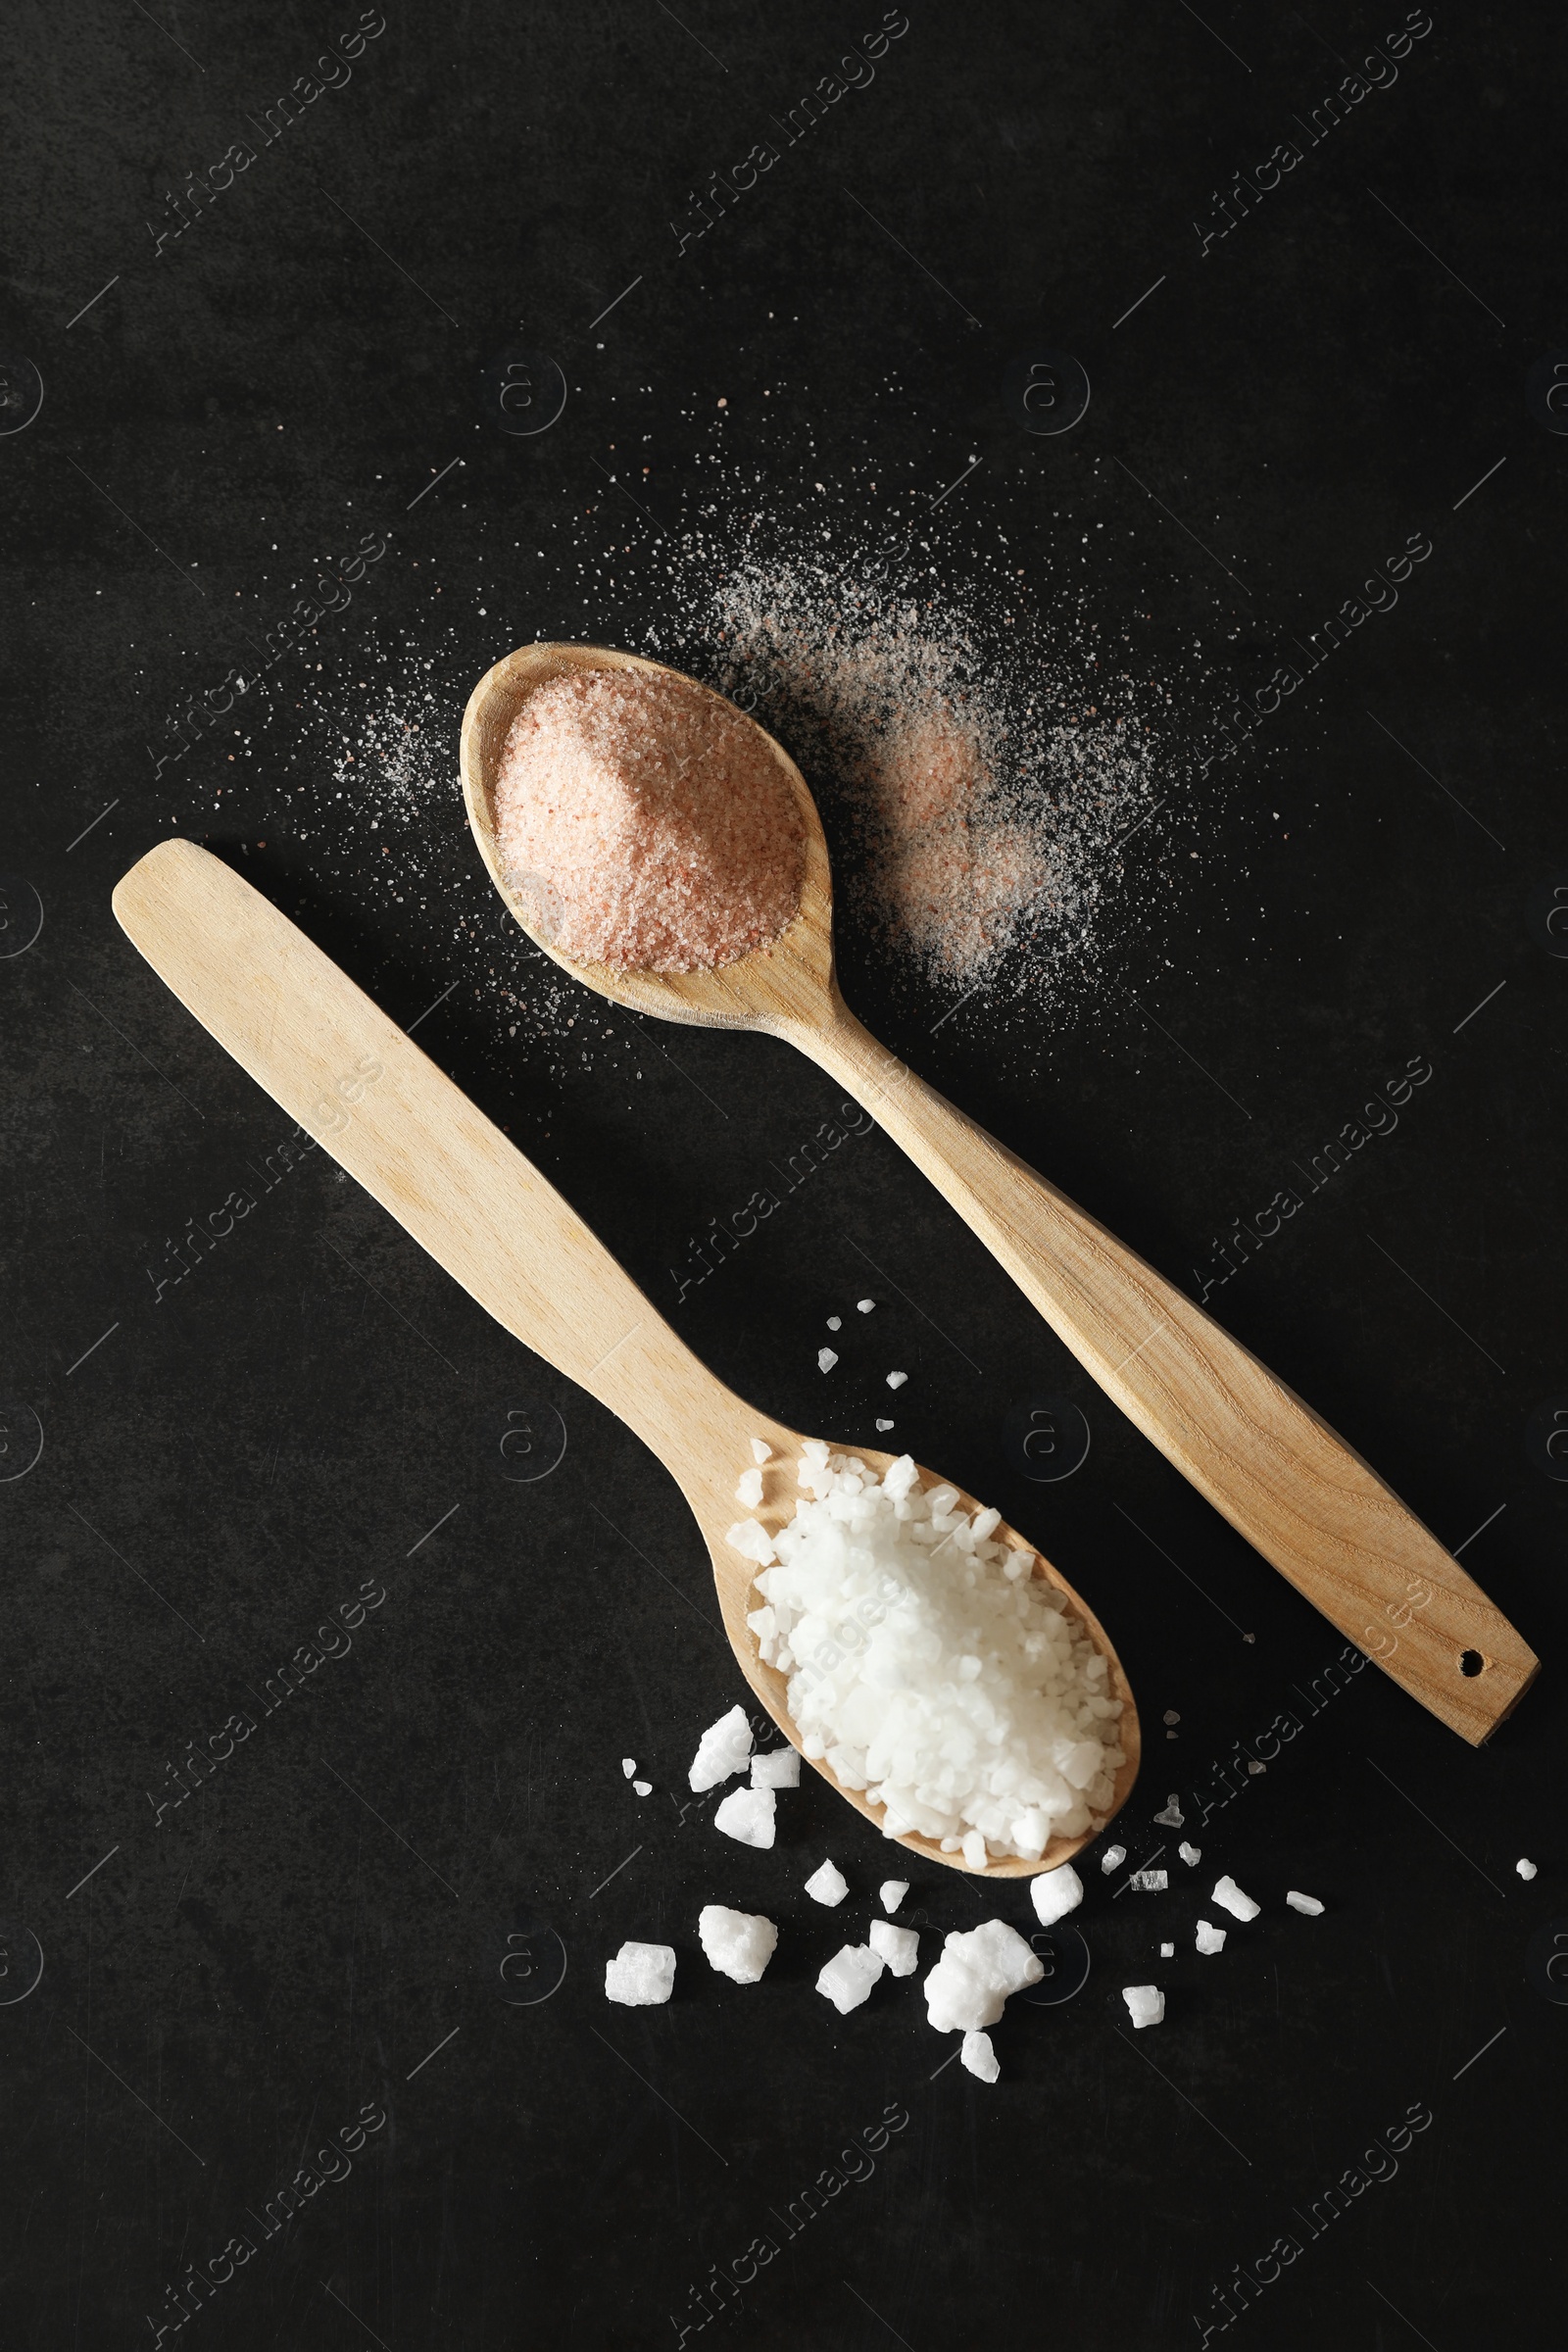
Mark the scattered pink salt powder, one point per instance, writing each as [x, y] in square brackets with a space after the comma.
[647, 822]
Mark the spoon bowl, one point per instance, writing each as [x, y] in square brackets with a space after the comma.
[1281, 1476]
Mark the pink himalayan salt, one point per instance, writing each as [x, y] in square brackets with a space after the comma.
[646, 823]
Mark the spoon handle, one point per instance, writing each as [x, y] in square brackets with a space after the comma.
[367, 1095]
[1279, 1474]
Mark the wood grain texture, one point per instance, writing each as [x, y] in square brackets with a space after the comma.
[1282, 1477]
[381, 1109]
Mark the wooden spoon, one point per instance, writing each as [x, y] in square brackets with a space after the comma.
[1279, 1474]
[384, 1111]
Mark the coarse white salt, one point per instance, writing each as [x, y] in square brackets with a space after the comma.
[1170, 1818]
[760, 1451]
[896, 1380]
[849, 1977]
[1145, 2004]
[1526, 1870]
[722, 1749]
[1311, 1904]
[884, 1427]
[751, 1539]
[1149, 1882]
[978, 2056]
[892, 1892]
[825, 1359]
[970, 1985]
[1113, 1858]
[738, 1944]
[641, 1975]
[900, 1947]
[865, 1306]
[749, 1487]
[835, 1322]
[1055, 1893]
[777, 1768]
[1209, 1939]
[1168, 1951]
[967, 1701]
[1192, 1855]
[628, 1765]
[1231, 1898]
[747, 1815]
[642, 1787]
[828, 1885]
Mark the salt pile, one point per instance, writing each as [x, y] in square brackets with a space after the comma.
[970, 1985]
[738, 1944]
[928, 1666]
[641, 1975]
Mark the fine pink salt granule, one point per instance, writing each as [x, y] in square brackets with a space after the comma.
[645, 823]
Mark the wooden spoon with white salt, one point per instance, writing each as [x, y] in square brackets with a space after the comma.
[1279, 1474]
[372, 1100]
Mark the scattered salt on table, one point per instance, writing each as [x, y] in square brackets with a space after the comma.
[722, 1749]
[1209, 1939]
[749, 1487]
[1145, 2004]
[1526, 1870]
[900, 1947]
[1055, 1893]
[1170, 1819]
[970, 1985]
[896, 1380]
[825, 1359]
[1149, 1882]
[642, 1787]
[777, 1768]
[979, 2057]
[893, 1892]
[1113, 1858]
[849, 1977]
[641, 1975]
[1192, 1855]
[865, 1306]
[1168, 1951]
[835, 1322]
[1311, 1904]
[747, 1815]
[1229, 1898]
[884, 1427]
[828, 1885]
[628, 1765]
[738, 1944]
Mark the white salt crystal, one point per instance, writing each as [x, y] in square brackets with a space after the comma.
[1149, 1882]
[884, 1426]
[642, 1975]
[894, 1892]
[760, 1451]
[738, 1944]
[1168, 1951]
[1145, 2004]
[849, 1977]
[1055, 1893]
[1229, 1898]
[896, 1380]
[1210, 1940]
[722, 1749]
[642, 1787]
[1314, 1909]
[628, 1765]
[778, 1768]
[979, 2057]
[1526, 1870]
[747, 1815]
[1170, 1818]
[900, 1947]
[1113, 1858]
[748, 1488]
[969, 1985]
[835, 1322]
[972, 1843]
[825, 1359]
[865, 1306]
[828, 1885]
[751, 1539]
[1192, 1855]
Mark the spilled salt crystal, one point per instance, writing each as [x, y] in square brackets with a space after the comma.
[1055, 1893]
[760, 1451]
[1145, 2004]
[748, 1488]
[1113, 1858]
[900, 1947]
[1526, 1870]
[825, 1359]
[642, 1787]
[828, 1885]
[978, 2057]
[738, 1944]
[641, 1975]
[865, 1306]
[835, 1322]
[1192, 1855]
[1170, 1818]
[849, 1977]
[1231, 1898]
[896, 1380]
[1314, 1909]
[628, 1765]
[1210, 1938]
[1168, 1951]
[1149, 1882]
[747, 1815]
[893, 1892]
[970, 1983]
[884, 1427]
[722, 1749]
[777, 1768]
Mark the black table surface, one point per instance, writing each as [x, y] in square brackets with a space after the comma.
[302, 2022]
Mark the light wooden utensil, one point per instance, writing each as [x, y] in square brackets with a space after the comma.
[1279, 1474]
[383, 1110]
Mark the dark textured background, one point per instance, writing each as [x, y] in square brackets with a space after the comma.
[237, 1456]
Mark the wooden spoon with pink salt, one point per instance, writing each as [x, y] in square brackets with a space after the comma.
[667, 851]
